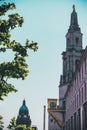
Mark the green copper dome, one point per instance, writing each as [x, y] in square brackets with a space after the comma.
[23, 117]
[23, 109]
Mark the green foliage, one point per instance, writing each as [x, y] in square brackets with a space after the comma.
[1, 123]
[12, 124]
[5, 7]
[17, 68]
[21, 127]
[29, 129]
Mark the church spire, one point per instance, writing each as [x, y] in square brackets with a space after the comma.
[74, 21]
[73, 52]
[24, 102]
[73, 7]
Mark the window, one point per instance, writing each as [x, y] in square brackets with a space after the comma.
[68, 41]
[66, 125]
[77, 64]
[77, 40]
[72, 123]
[51, 120]
[64, 104]
[52, 104]
[85, 91]
[85, 65]
[79, 120]
[79, 75]
[79, 97]
[82, 71]
[85, 116]
[75, 121]
[82, 94]
[69, 124]
[77, 100]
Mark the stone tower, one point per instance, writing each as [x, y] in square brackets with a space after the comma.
[71, 57]
[23, 116]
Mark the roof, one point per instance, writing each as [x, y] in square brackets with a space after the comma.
[23, 109]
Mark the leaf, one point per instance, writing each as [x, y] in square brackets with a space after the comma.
[17, 68]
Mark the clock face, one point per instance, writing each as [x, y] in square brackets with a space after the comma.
[52, 104]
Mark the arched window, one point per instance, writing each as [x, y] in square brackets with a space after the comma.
[68, 41]
[77, 40]
[77, 64]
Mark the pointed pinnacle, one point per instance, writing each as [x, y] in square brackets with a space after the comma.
[73, 7]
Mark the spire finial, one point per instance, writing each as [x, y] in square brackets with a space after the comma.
[24, 102]
[74, 21]
[73, 7]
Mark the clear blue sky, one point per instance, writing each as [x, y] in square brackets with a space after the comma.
[46, 22]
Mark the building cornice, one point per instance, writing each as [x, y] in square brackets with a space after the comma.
[56, 110]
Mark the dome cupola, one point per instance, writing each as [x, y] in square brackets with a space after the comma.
[23, 109]
[23, 116]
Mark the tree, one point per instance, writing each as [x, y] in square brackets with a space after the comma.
[1, 123]
[12, 124]
[17, 68]
[21, 127]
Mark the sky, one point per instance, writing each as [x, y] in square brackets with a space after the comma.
[45, 22]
